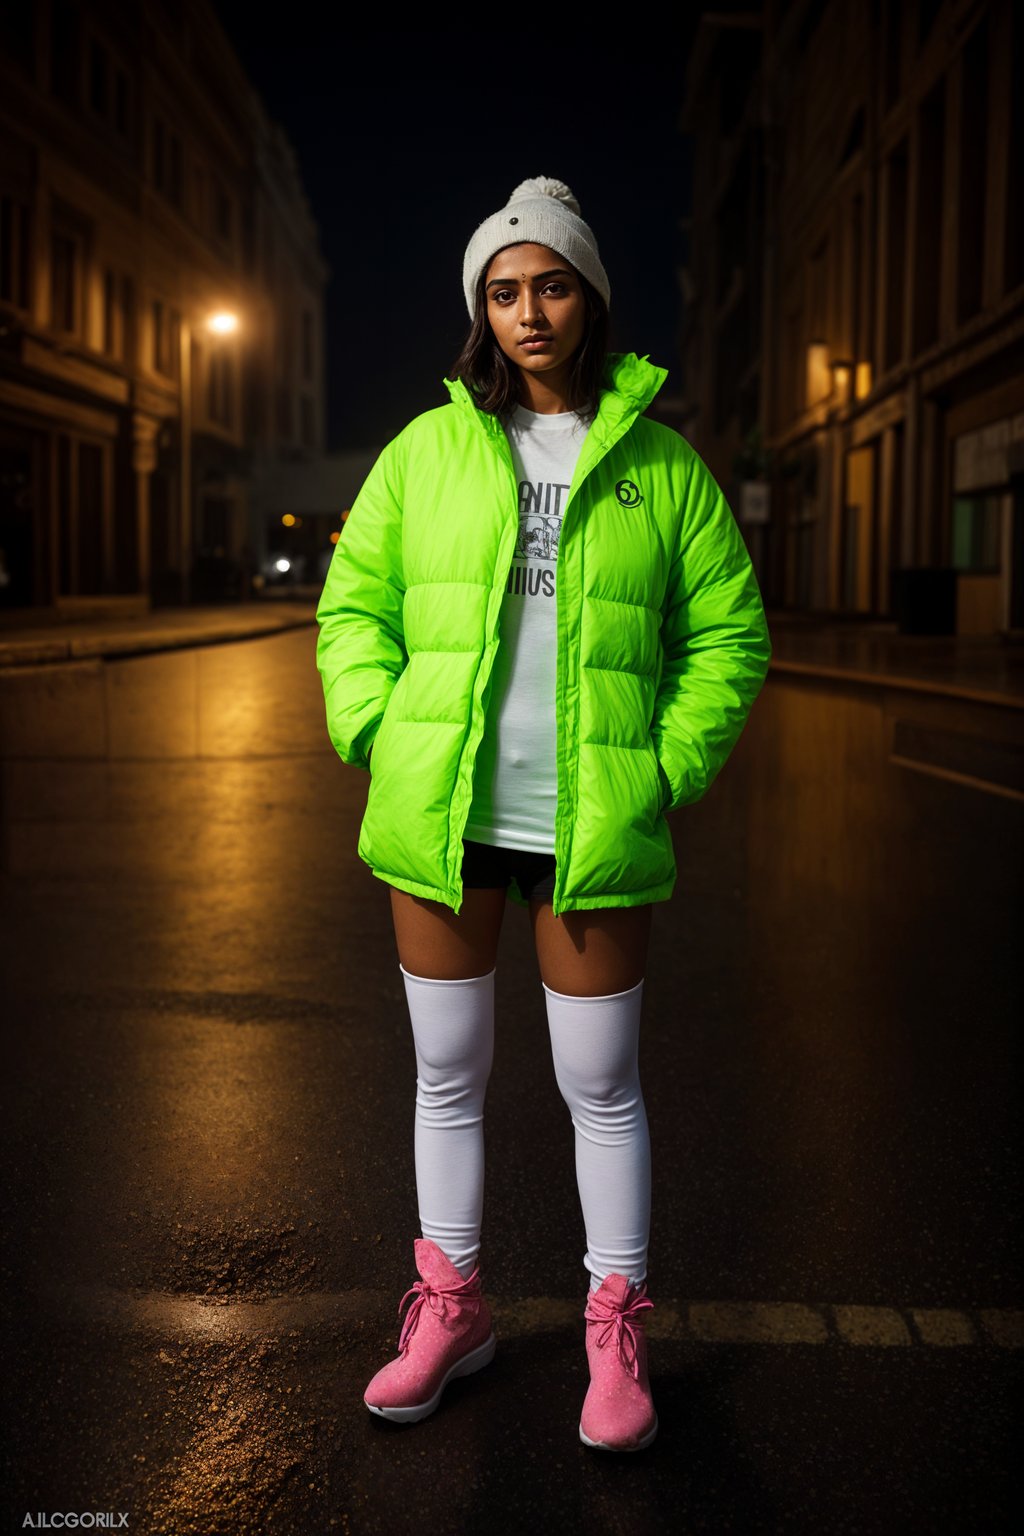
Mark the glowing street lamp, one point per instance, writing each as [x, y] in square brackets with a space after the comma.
[223, 323]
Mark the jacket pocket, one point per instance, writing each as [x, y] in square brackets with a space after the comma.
[650, 806]
[662, 793]
[666, 786]
[380, 742]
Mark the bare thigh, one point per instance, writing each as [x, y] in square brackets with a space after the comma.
[434, 941]
[594, 953]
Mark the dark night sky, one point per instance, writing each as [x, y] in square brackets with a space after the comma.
[406, 140]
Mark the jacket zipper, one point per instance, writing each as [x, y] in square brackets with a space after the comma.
[563, 821]
[513, 523]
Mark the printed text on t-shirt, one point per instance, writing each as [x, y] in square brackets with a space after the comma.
[540, 523]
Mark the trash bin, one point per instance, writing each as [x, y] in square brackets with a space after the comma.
[922, 600]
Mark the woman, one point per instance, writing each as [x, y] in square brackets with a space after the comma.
[542, 625]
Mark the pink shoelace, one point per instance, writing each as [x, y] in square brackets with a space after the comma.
[435, 1298]
[619, 1321]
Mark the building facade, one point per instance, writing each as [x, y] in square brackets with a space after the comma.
[161, 308]
[854, 345]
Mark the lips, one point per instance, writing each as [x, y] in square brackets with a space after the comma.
[535, 341]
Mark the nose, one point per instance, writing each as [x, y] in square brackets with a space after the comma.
[531, 316]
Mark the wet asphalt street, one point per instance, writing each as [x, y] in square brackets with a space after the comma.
[209, 1202]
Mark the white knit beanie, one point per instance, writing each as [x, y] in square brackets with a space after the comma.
[544, 212]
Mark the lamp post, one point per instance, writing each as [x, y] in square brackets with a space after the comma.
[220, 323]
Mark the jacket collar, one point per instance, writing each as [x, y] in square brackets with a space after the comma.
[631, 383]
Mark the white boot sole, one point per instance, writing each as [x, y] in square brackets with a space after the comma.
[641, 1445]
[474, 1361]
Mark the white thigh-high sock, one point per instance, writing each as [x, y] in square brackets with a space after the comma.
[453, 1031]
[595, 1043]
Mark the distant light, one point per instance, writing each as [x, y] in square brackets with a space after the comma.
[289, 519]
[223, 322]
[335, 537]
[842, 379]
[819, 378]
[282, 564]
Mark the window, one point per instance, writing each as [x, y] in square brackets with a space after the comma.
[121, 101]
[175, 186]
[307, 344]
[931, 177]
[13, 251]
[118, 308]
[18, 35]
[65, 51]
[71, 236]
[222, 212]
[248, 237]
[927, 13]
[128, 352]
[99, 81]
[159, 174]
[976, 529]
[199, 197]
[896, 180]
[972, 224]
[892, 52]
[284, 413]
[63, 282]
[166, 340]
[159, 343]
[174, 345]
[857, 347]
[167, 162]
[107, 93]
[118, 316]
[817, 290]
[1013, 246]
[308, 423]
[85, 515]
[109, 313]
[92, 517]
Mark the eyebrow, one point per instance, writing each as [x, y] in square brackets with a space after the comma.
[504, 282]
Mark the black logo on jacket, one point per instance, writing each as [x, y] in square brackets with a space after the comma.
[628, 493]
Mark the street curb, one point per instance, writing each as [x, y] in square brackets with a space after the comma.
[15, 654]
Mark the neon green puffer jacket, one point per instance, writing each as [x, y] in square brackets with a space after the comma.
[662, 642]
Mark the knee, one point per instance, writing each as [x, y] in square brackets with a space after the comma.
[600, 1091]
[453, 1077]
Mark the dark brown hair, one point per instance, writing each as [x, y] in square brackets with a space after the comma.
[494, 380]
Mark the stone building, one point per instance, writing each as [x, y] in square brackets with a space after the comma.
[854, 350]
[161, 309]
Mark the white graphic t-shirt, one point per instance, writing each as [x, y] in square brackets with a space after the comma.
[515, 787]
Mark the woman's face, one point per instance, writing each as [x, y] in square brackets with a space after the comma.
[535, 306]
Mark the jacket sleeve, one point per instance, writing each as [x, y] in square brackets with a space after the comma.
[715, 641]
[360, 651]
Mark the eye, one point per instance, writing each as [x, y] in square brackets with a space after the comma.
[501, 294]
[558, 287]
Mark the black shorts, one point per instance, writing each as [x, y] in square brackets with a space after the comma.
[486, 866]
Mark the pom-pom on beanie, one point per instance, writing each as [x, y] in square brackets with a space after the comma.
[541, 211]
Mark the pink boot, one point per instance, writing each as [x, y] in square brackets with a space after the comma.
[446, 1333]
[618, 1411]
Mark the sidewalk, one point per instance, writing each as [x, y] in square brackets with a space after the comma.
[983, 668]
[162, 629]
